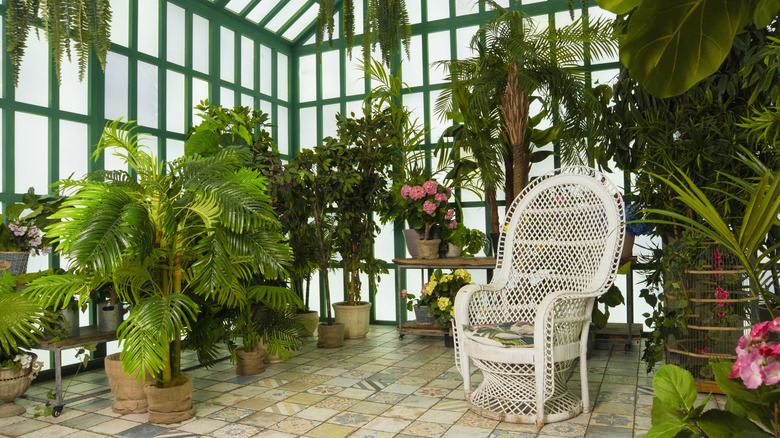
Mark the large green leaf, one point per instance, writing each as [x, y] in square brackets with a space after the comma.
[675, 387]
[672, 44]
[723, 424]
[661, 412]
[667, 429]
[618, 7]
[765, 11]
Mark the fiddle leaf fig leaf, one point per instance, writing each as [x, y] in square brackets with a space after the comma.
[667, 429]
[670, 45]
[618, 7]
[765, 11]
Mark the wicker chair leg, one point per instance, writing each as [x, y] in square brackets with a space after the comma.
[540, 367]
[584, 367]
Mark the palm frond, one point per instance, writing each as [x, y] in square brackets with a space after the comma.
[56, 291]
[20, 320]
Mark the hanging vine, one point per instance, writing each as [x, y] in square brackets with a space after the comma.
[87, 22]
[385, 22]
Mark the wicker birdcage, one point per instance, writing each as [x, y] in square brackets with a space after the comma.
[720, 308]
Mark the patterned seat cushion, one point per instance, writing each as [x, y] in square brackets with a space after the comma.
[509, 334]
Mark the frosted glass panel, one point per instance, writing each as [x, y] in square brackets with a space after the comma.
[116, 86]
[283, 130]
[267, 108]
[247, 63]
[200, 43]
[438, 50]
[354, 77]
[354, 106]
[412, 68]
[331, 75]
[385, 308]
[174, 102]
[436, 126]
[247, 100]
[608, 77]
[227, 44]
[31, 153]
[148, 11]
[308, 124]
[329, 120]
[147, 94]
[120, 22]
[464, 36]
[227, 97]
[414, 10]
[175, 34]
[73, 93]
[384, 246]
[34, 73]
[281, 76]
[200, 91]
[438, 10]
[307, 82]
[73, 149]
[466, 7]
[414, 102]
[175, 149]
[266, 70]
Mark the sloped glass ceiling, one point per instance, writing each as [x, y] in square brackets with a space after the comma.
[288, 18]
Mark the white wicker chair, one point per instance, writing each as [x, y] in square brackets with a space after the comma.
[559, 250]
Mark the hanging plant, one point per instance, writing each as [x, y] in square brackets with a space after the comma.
[385, 22]
[87, 22]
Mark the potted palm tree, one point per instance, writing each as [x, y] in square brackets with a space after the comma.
[192, 228]
[20, 328]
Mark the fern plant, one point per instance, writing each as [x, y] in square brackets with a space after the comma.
[86, 22]
[21, 321]
[385, 22]
[167, 236]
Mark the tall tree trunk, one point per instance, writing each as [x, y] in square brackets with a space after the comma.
[490, 194]
[514, 109]
[509, 182]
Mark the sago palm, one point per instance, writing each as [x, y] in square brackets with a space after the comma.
[163, 234]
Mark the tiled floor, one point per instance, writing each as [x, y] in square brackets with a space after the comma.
[379, 386]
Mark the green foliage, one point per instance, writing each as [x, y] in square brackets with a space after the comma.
[674, 413]
[469, 241]
[39, 216]
[611, 298]
[193, 228]
[21, 320]
[85, 22]
[386, 21]
[669, 46]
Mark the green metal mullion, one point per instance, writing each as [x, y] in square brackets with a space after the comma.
[188, 75]
[293, 120]
[318, 98]
[271, 14]
[54, 130]
[236, 69]
[294, 17]
[274, 89]
[248, 8]
[9, 116]
[162, 82]
[221, 3]
[214, 59]
[311, 29]
[132, 67]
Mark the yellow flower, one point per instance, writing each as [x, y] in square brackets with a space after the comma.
[462, 273]
[443, 303]
[452, 312]
[430, 287]
[445, 278]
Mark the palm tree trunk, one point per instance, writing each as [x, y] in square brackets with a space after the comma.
[509, 183]
[490, 194]
[514, 109]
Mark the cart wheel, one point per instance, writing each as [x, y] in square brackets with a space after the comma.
[628, 346]
[56, 411]
[401, 337]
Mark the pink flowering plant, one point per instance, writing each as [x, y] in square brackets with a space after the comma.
[427, 205]
[26, 221]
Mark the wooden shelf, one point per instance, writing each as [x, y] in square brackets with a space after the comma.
[415, 327]
[86, 335]
[449, 262]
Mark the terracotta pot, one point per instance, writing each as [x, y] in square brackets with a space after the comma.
[129, 395]
[14, 383]
[330, 336]
[354, 318]
[171, 405]
[309, 321]
[249, 363]
[428, 249]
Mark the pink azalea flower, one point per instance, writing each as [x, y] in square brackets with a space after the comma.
[430, 187]
[735, 370]
[403, 293]
[35, 242]
[716, 272]
[716, 255]
[453, 225]
[448, 190]
[46, 250]
[417, 193]
[759, 331]
[18, 231]
[774, 325]
[405, 191]
[32, 231]
[423, 291]
[440, 197]
[771, 373]
[450, 214]
[429, 207]
[750, 372]
[743, 343]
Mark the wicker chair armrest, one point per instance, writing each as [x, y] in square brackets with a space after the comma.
[462, 300]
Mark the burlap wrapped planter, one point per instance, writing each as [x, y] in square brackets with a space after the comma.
[428, 249]
[249, 363]
[330, 336]
[129, 395]
[171, 405]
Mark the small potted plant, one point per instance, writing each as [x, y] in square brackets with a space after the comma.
[427, 204]
[634, 228]
[23, 236]
[463, 242]
[421, 306]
